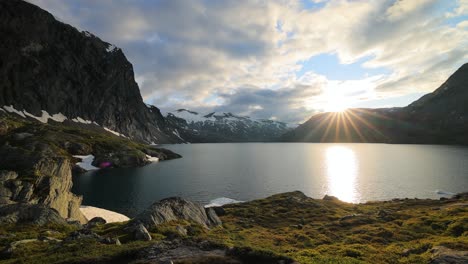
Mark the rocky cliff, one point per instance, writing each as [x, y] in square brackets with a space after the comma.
[440, 117]
[50, 69]
[37, 160]
[223, 127]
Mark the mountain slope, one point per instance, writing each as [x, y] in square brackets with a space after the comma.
[223, 127]
[440, 117]
[46, 65]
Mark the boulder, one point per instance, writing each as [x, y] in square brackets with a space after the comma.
[29, 213]
[138, 231]
[330, 198]
[443, 255]
[177, 208]
[95, 222]
[213, 217]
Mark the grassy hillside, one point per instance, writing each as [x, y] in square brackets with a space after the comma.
[290, 225]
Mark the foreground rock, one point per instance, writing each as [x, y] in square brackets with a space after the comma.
[443, 255]
[177, 208]
[29, 213]
[52, 177]
[185, 251]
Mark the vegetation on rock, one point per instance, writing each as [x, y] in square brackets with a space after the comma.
[279, 229]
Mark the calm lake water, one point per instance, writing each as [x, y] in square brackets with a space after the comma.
[352, 172]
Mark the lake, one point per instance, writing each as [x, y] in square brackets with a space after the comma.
[245, 171]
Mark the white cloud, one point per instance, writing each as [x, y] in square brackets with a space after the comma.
[209, 55]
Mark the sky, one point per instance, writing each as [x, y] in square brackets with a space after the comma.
[277, 59]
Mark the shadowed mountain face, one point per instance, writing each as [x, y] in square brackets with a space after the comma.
[46, 65]
[440, 117]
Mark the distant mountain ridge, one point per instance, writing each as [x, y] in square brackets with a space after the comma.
[50, 69]
[440, 117]
[223, 127]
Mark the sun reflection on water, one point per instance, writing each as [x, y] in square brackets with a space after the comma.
[342, 169]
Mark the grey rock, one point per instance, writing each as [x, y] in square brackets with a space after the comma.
[84, 234]
[181, 230]
[14, 245]
[95, 222]
[176, 208]
[138, 231]
[443, 255]
[111, 241]
[7, 175]
[29, 213]
[27, 190]
[213, 217]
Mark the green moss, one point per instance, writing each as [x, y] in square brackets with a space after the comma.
[304, 233]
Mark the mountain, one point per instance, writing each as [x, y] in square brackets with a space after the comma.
[223, 127]
[52, 71]
[445, 110]
[440, 117]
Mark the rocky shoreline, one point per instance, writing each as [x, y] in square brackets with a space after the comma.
[38, 159]
[283, 228]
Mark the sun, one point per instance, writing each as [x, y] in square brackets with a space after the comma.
[336, 103]
[336, 107]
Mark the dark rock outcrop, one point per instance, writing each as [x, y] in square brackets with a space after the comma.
[176, 208]
[29, 213]
[46, 65]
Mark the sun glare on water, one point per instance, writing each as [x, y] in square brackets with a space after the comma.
[342, 171]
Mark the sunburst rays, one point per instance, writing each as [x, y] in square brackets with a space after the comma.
[350, 125]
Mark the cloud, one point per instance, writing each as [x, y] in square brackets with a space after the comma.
[244, 56]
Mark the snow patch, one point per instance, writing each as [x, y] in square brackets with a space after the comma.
[176, 133]
[87, 34]
[81, 120]
[152, 159]
[111, 48]
[44, 118]
[114, 132]
[110, 216]
[11, 109]
[191, 117]
[86, 162]
[221, 201]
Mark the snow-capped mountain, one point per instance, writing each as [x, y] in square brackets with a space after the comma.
[223, 127]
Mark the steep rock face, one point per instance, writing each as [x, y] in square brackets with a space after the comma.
[223, 127]
[46, 65]
[440, 117]
[50, 188]
[176, 208]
